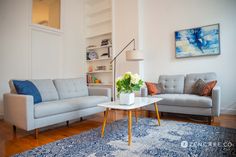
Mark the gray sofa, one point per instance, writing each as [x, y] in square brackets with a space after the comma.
[177, 97]
[62, 100]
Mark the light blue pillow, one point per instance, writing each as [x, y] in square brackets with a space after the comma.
[28, 88]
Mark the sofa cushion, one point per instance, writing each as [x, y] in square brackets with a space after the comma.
[154, 88]
[45, 109]
[198, 86]
[185, 100]
[71, 88]
[207, 90]
[172, 83]
[47, 89]
[27, 88]
[192, 78]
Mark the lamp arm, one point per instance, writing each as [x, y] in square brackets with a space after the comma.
[133, 40]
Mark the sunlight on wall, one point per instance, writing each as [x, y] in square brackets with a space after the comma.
[46, 12]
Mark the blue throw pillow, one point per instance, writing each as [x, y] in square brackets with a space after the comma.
[28, 88]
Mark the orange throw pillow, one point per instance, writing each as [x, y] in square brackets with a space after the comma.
[207, 89]
[152, 88]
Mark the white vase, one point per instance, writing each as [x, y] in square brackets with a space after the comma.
[127, 98]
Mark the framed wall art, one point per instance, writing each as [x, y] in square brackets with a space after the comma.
[199, 41]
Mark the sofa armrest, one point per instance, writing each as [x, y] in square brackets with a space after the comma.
[216, 100]
[99, 91]
[19, 110]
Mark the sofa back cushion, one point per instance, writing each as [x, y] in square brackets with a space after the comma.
[27, 88]
[47, 89]
[192, 78]
[172, 83]
[71, 88]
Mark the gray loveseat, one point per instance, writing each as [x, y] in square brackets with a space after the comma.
[177, 97]
[62, 100]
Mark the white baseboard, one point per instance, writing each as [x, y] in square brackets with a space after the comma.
[228, 111]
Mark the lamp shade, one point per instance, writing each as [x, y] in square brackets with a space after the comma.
[134, 55]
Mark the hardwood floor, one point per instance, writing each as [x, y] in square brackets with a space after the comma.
[11, 144]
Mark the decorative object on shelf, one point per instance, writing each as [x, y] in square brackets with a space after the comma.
[200, 41]
[87, 56]
[131, 55]
[100, 67]
[90, 69]
[93, 79]
[92, 55]
[98, 81]
[126, 85]
[106, 42]
[89, 78]
[105, 54]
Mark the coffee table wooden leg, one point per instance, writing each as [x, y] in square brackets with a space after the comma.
[129, 127]
[104, 122]
[136, 115]
[157, 113]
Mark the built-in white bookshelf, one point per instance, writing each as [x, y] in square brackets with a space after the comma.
[98, 27]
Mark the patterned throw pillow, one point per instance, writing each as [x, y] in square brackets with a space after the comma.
[154, 88]
[198, 87]
[202, 88]
[207, 90]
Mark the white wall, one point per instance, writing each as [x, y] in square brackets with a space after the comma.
[125, 28]
[74, 64]
[46, 52]
[14, 50]
[159, 20]
[26, 52]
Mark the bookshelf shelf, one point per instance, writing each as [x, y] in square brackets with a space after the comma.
[98, 34]
[100, 71]
[100, 84]
[99, 47]
[102, 59]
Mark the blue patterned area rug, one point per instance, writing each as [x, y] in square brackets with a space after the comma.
[172, 138]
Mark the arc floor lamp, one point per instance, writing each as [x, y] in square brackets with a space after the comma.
[131, 55]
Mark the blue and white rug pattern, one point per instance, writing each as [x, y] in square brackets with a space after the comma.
[172, 138]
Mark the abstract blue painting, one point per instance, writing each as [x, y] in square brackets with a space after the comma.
[200, 41]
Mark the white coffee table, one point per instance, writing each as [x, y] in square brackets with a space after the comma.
[139, 102]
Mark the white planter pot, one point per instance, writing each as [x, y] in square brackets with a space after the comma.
[127, 98]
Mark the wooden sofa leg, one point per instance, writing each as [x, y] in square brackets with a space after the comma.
[67, 124]
[209, 120]
[36, 133]
[162, 114]
[14, 129]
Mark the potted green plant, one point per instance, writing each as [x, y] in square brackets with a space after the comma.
[126, 85]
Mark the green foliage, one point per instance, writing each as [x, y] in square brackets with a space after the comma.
[128, 83]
